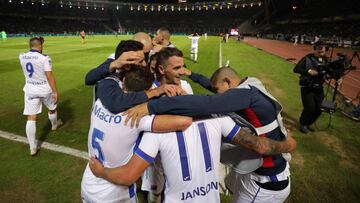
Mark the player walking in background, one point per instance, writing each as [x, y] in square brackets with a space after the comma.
[82, 34]
[194, 46]
[296, 38]
[39, 88]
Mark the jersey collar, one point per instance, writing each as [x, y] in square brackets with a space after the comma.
[33, 50]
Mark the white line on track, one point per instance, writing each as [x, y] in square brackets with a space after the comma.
[220, 54]
[46, 145]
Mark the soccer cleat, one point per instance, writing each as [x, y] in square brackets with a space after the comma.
[34, 151]
[58, 124]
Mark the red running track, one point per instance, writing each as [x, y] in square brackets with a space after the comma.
[350, 86]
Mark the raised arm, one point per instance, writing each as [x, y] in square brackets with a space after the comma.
[124, 175]
[98, 73]
[200, 79]
[110, 65]
[263, 145]
[116, 100]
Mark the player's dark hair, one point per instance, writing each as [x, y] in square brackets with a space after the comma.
[138, 78]
[164, 54]
[128, 45]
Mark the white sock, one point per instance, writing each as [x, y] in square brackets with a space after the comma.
[30, 133]
[195, 57]
[53, 120]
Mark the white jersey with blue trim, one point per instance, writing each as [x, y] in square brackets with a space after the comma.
[194, 41]
[184, 85]
[112, 142]
[34, 64]
[190, 158]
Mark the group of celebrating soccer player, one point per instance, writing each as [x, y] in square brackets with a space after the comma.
[147, 123]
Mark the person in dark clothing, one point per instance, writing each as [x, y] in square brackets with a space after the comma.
[312, 76]
[247, 101]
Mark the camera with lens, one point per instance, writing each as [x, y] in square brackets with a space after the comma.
[334, 69]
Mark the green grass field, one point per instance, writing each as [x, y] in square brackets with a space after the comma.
[325, 166]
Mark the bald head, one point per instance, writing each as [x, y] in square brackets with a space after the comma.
[162, 36]
[224, 78]
[145, 39]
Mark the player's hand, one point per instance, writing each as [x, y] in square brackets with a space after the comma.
[312, 72]
[180, 91]
[96, 167]
[171, 90]
[186, 71]
[135, 114]
[291, 142]
[126, 58]
[55, 97]
[157, 48]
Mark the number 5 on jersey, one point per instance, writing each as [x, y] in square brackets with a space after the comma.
[98, 135]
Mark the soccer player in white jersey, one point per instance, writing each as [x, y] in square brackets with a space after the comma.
[190, 158]
[40, 87]
[168, 69]
[113, 142]
[194, 46]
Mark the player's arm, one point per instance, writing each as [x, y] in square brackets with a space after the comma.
[192, 105]
[51, 79]
[263, 145]
[110, 65]
[169, 123]
[200, 79]
[98, 73]
[116, 100]
[124, 175]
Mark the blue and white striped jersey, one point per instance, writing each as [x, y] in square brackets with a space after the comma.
[190, 158]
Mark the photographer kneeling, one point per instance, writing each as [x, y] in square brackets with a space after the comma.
[312, 76]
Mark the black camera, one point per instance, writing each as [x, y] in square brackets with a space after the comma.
[335, 69]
